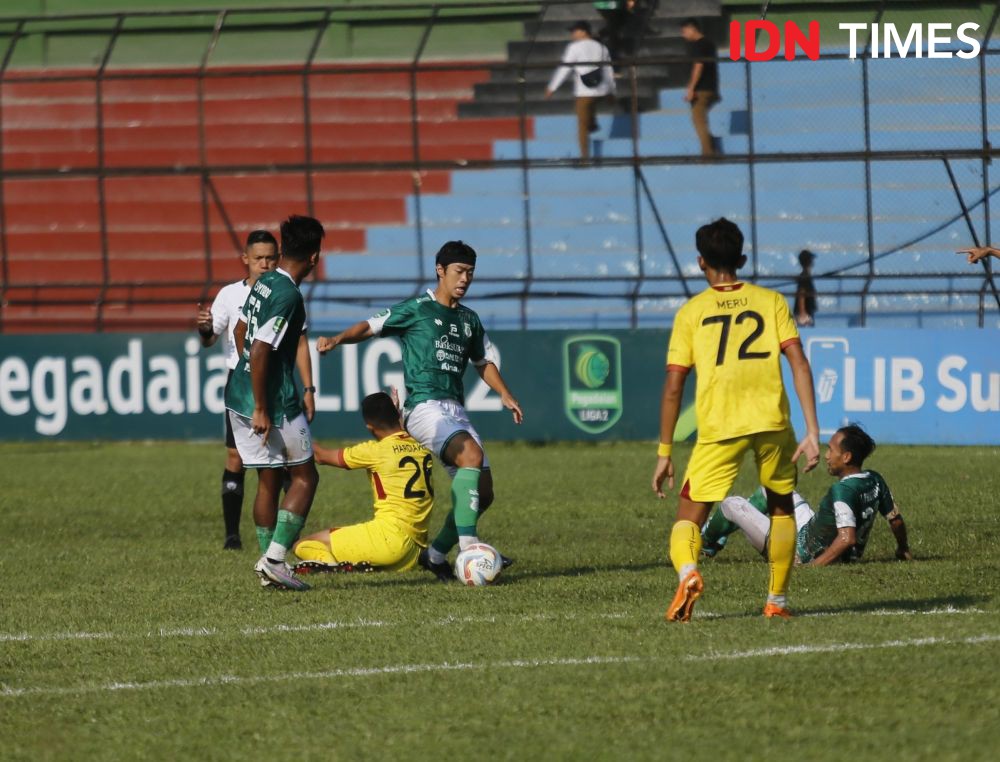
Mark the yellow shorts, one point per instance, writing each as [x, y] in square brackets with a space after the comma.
[714, 466]
[378, 543]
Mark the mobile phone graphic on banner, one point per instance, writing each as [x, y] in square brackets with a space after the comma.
[826, 356]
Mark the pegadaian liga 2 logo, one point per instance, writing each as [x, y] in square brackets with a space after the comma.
[592, 382]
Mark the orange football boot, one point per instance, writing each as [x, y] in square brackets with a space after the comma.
[688, 591]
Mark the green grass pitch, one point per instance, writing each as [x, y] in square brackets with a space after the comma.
[127, 633]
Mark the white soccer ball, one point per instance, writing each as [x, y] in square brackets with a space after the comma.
[478, 565]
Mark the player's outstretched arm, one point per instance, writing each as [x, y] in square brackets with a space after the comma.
[356, 333]
[977, 253]
[325, 456]
[898, 527]
[846, 537]
[490, 374]
[803, 379]
[670, 408]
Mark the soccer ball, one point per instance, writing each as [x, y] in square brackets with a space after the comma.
[478, 565]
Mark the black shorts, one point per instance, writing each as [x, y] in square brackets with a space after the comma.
[230, 439]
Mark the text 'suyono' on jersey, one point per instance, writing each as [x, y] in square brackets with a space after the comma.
[853, 501]
[438, 343]
[732, 336]
[275, 314]
[402, 487]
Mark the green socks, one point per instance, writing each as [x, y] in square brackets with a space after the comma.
[465, 501]
[286, 532]
[717, 529]
[447, 537]
[461, 522]
[264, 535]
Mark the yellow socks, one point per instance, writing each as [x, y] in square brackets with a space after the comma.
[780, 554]
[685, 545]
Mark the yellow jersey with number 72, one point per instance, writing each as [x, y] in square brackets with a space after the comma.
[733, 336]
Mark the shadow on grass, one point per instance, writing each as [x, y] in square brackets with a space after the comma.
[910, 605]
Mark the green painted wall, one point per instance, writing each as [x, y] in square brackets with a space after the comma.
[176, 41]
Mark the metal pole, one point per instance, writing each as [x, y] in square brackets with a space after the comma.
[206, 222]
[525, 174]
[307, 109]
[415, 137]
[101, 191]
[4, 266]
[972, 230]
[751, 170]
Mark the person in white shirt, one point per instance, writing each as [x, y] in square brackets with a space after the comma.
[593, 78]
[259, 255]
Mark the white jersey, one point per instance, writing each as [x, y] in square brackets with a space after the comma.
[226, 311]
[582, 57]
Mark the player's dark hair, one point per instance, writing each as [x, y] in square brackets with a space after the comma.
[455, 252]
[857, 442]
[379, 411]
[300, 237]
[691, 22]
[720, 244]
[261, 236]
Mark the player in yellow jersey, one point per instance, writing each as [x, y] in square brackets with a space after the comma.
[400, 472]
[733, 335]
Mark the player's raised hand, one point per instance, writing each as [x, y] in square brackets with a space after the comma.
[809, 446]
[204, 319]
[976, 253]
[513, 405]
[325, 343]
[664, 470]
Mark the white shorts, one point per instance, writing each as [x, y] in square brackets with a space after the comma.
[435, 422]
[289, 444]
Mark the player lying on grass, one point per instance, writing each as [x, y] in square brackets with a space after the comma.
[839, 531]
[400, 472]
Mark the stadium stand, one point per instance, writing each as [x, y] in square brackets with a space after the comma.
[123, 216]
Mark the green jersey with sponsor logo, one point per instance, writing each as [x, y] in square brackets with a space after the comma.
[438, 343]
[275, 314]
[853, 501]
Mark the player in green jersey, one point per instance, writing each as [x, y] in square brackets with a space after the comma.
[839, 530]
[265, 408]
[440, 336]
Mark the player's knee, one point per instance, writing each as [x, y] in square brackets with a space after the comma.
[465, 452]
[731, 506]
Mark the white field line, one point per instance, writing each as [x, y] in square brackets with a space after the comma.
[842, 647]
[399, 669]
[403, 669]
[278, 629]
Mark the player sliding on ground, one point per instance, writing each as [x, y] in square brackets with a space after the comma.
[400, 473]
[733, 334]
[439, 337]
[839, 531]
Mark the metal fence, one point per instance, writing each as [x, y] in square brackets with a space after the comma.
[309, 47]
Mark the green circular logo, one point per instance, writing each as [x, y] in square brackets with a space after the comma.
[592, 367]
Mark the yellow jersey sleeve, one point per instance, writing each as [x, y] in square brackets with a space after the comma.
[787, 330]
[680, 351]
[364, 455]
